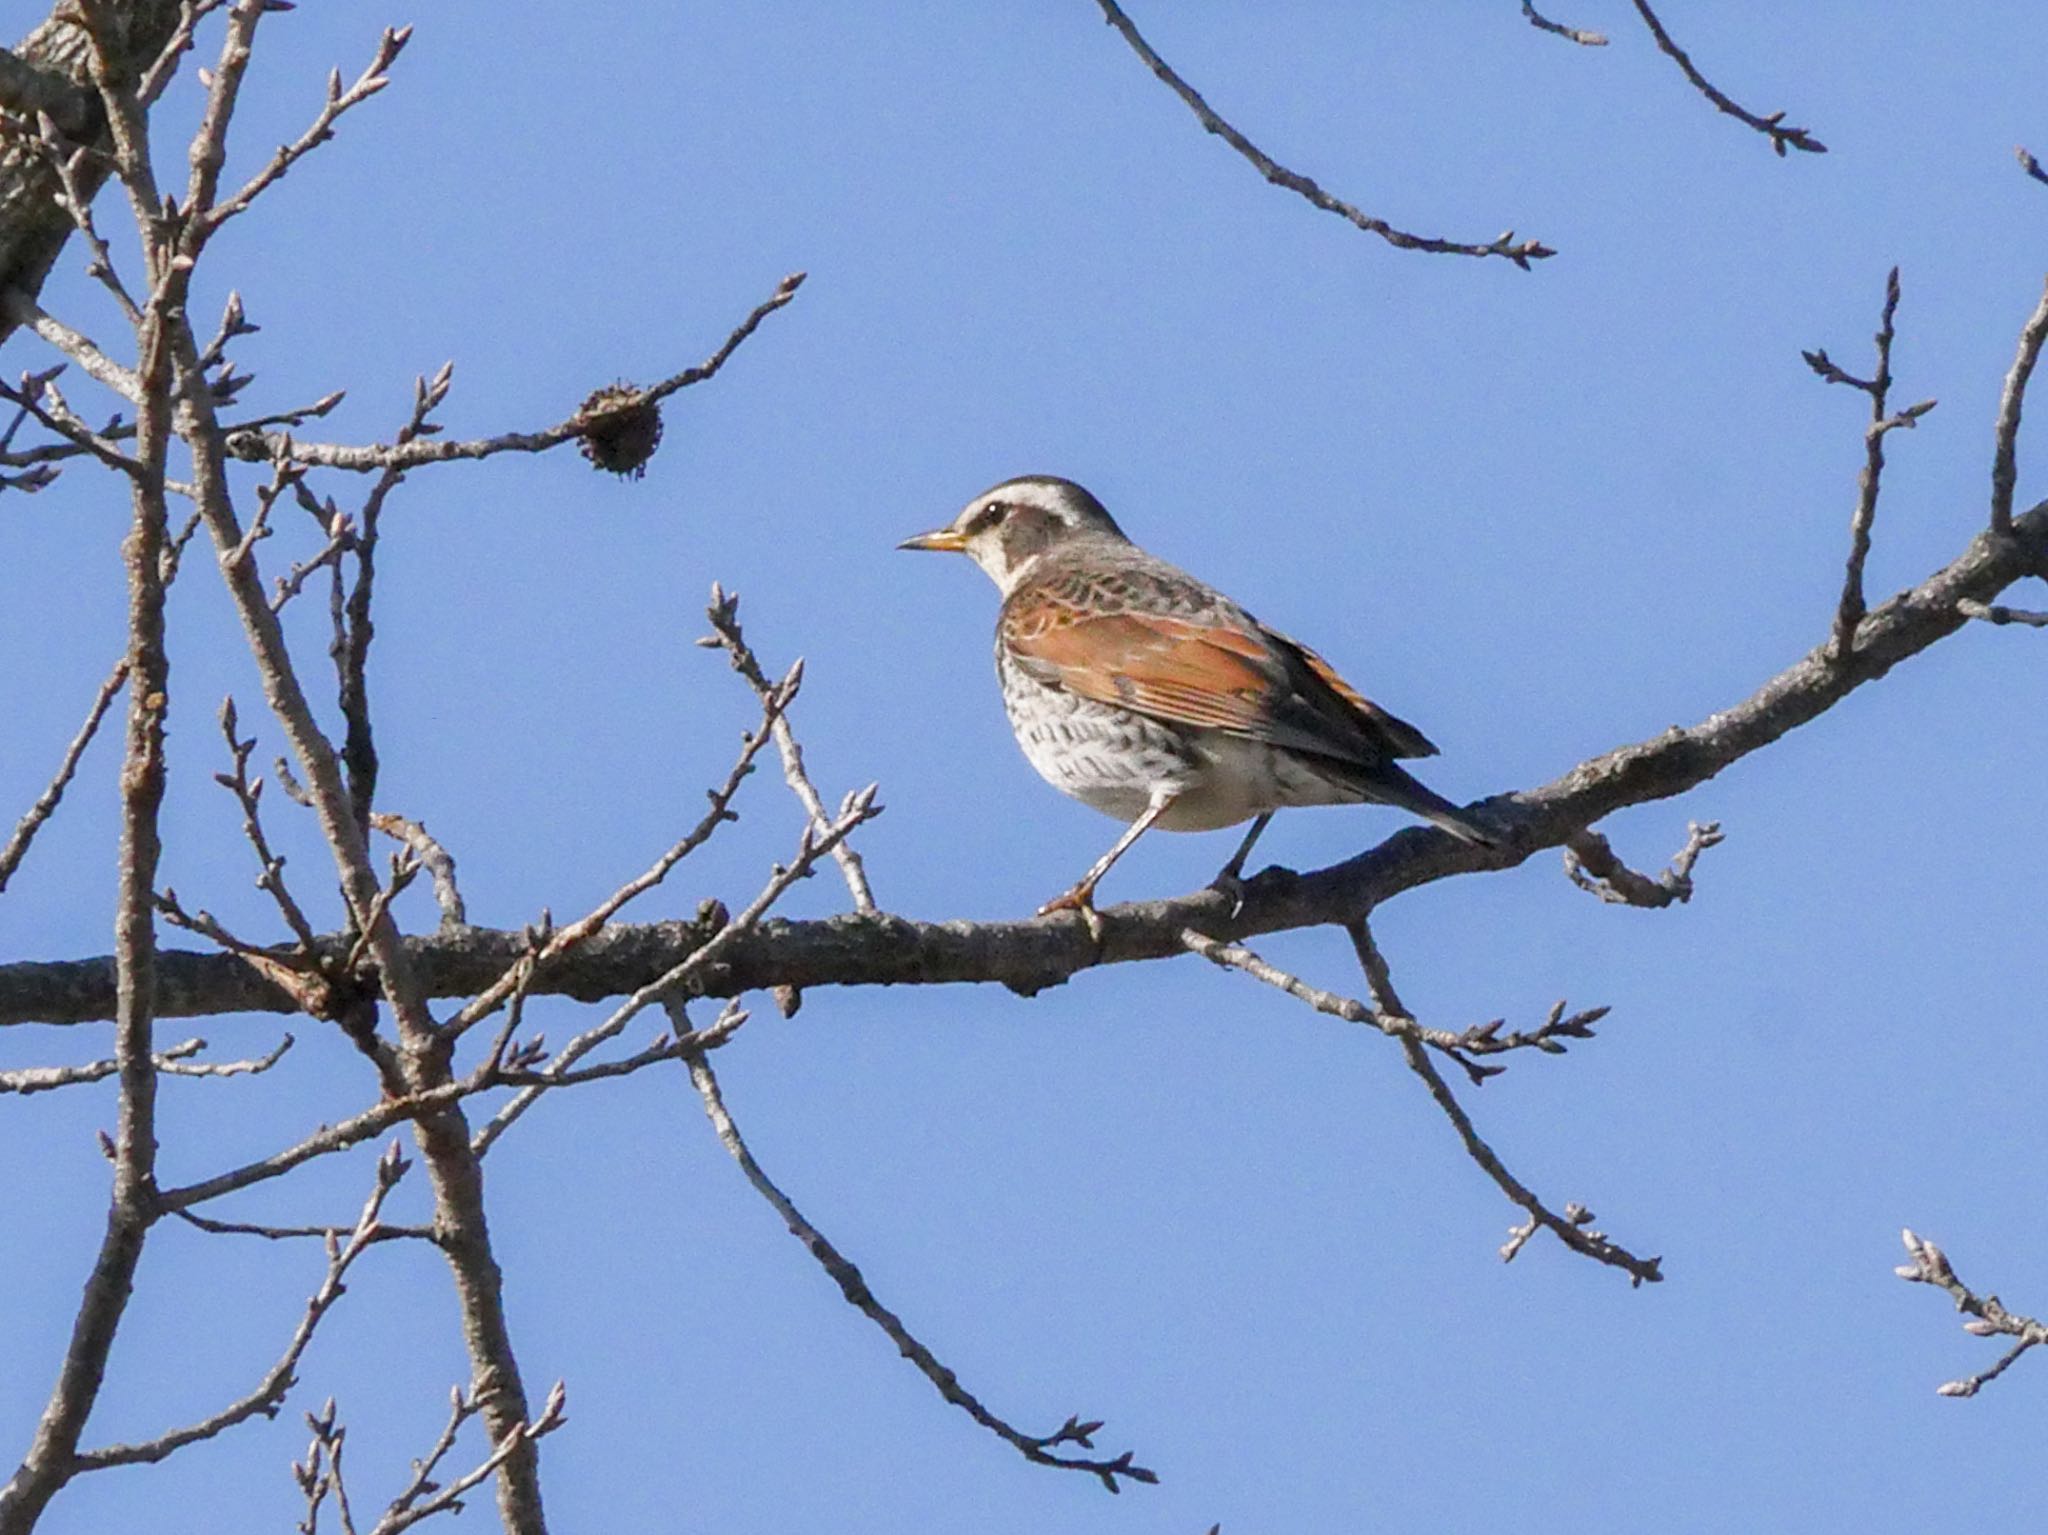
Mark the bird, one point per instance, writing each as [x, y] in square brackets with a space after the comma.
[1145, 693]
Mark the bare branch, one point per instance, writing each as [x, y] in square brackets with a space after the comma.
[1543, 23]
[260, 447]
[1781, 137]
[434, 857]
[52, 1458]
[1574, 1228]
[372, 80]
[559, 942]
[1849, 610]
[384, 1231]
[1031, 955]
[248, 794]
[1521, 254]
[325, 1141]
[1591, 862]
[319, 1475]
[854, 1287]
[1393, 1020]
[2004, 460]
[47, 802]
[1988, 1318]
[680, 979]
[176, 1061]
[413, 1504]
[724, 613]
[270, 1392]
[1998, 613]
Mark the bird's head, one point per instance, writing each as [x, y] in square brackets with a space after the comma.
[1006, 529]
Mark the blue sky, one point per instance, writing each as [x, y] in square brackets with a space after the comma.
[1541, 514]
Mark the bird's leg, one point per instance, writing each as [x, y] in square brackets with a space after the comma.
[1230, 878]
[1082, 897]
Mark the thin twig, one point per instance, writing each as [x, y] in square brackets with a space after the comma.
[1577, 35]
[259, 446]
[561, 941]
[1039, 1450]
[1850, 609]
[2005, 443]
[383, 1232]
[404, 1514]
[1593, 865]
[373, 79]
[2029, 164]
[271, 1390]
[724, 614]
[1999, 613]
[1988, 1318]
[176, 1061]
[1521, 254]
[1781, 137]
[1480, 1039]
[437, 860]
[47, 802]
[319, 1475]
[1575, 1227]
[812, 846]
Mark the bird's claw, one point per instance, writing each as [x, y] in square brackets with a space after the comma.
[1081, 901]
[1232, 884]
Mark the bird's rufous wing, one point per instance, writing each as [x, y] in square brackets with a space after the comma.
[1218, 674]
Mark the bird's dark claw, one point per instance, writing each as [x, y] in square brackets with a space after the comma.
[1232, 884]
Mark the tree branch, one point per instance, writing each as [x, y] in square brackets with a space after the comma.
[1521, 254]
[854, 1287]
[1988, 1318]
[261, 447]
[1575, 1227]
[1030, 955]
[47, 802]
[270, 1392]
[1590, 861]
[2005, 443]
[1577, 35]
[1780, 136]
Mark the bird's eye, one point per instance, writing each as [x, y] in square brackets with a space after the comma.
[987, 517]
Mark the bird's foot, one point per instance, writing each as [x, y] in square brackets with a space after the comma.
[1231, 882]
[1081, 900]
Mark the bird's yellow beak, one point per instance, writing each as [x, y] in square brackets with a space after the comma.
[943, 540]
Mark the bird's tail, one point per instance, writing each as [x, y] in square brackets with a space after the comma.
[1394, 785]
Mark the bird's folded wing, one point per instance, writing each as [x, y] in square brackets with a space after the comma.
[1224, 676]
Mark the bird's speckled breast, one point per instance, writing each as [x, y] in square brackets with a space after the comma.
[1106, 757]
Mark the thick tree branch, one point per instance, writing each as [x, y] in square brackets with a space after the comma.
[34, 223]
[1027, 956]
[52, 1458]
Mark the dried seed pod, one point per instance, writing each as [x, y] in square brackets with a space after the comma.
[620, 429]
